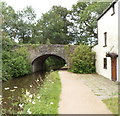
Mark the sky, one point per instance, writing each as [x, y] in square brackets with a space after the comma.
[40, 6]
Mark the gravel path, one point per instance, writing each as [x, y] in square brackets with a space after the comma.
[100, 86]
[77, 98]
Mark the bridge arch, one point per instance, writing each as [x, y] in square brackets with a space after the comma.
[38, 63]
[40, 53]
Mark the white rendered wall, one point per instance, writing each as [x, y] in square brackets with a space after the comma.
[119, 41]
[109, 24]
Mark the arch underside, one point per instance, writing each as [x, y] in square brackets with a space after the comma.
[38, 62]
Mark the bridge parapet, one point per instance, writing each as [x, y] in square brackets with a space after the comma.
[40, 53]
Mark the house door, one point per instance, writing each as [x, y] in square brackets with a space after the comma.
[114, 68]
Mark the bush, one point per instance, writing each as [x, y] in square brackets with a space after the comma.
[17, 66]
[15, 61]
[7, 44]
[83, 60]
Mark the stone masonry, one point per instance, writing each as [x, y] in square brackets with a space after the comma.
[39, 54]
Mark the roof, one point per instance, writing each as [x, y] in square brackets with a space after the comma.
[107, 8]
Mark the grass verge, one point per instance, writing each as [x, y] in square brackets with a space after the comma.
[47, 99]
[112, 104]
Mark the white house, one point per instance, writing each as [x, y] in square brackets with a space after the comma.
[108, 47]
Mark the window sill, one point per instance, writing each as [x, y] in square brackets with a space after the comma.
[105, 68]
[105, 46]
[112, 14]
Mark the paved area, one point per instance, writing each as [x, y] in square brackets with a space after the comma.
[100, 86]
[77, 98]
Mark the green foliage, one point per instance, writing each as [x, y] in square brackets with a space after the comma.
[84, 15]
[15, 61]
[19, 25]
[47, 98]
[83, 60]
[30, 46]
[15, 67]
[53, 26]
[57, 26]
[8, 19]
[67, 50]
[26, 25]
[54, 62]
[7, 44]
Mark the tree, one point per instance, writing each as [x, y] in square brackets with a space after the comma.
[84, 15]
[25, 24]
[53, 26]
[9, 18]
[19, 26]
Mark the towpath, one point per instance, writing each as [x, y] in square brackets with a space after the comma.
[77, 98]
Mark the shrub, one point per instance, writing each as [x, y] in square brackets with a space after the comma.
[7, 44]
[83, 60]
[15, 62]
[17, 66]
[6, 74]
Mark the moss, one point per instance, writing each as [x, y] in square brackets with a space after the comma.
[67, 49]
[30, 46]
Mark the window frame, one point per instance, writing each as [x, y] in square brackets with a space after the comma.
[105, 39]
[105, 63]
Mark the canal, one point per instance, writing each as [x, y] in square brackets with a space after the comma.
[13, 90]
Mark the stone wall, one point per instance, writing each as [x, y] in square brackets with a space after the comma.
[40, 53]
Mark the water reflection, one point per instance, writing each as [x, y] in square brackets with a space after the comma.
[14, 88]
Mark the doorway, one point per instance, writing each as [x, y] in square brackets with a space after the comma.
[114, 68]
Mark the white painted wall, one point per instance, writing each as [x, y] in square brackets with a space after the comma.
[119, 41]
[109, 24]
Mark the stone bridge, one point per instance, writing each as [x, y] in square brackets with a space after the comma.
[39, 54]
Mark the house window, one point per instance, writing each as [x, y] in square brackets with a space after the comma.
[105, 63]
[105, 39]
[113, 10]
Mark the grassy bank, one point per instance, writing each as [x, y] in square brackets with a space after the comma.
[112, 104]
[47, 99]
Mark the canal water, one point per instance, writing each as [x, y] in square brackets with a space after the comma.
[12, 90]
